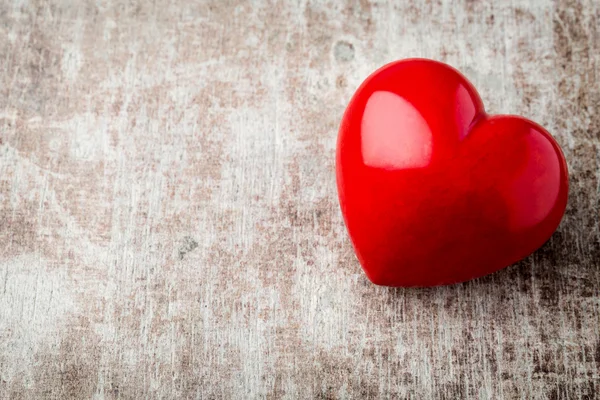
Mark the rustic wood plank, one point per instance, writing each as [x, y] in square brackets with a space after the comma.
[169, 221]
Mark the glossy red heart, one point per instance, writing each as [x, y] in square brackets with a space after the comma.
[435, 191]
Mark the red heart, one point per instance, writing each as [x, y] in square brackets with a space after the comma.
[435, 191]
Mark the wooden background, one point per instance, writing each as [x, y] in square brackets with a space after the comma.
[169, 225]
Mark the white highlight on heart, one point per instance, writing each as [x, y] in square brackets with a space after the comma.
[394, 134]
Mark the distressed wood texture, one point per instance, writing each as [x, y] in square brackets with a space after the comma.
[169, 225]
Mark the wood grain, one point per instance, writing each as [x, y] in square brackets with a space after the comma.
[169, 225]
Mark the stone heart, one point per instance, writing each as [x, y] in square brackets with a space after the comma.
[435, 191]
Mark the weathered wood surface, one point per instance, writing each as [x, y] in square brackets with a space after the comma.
[169, 225]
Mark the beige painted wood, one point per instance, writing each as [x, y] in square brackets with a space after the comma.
[169, 225]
